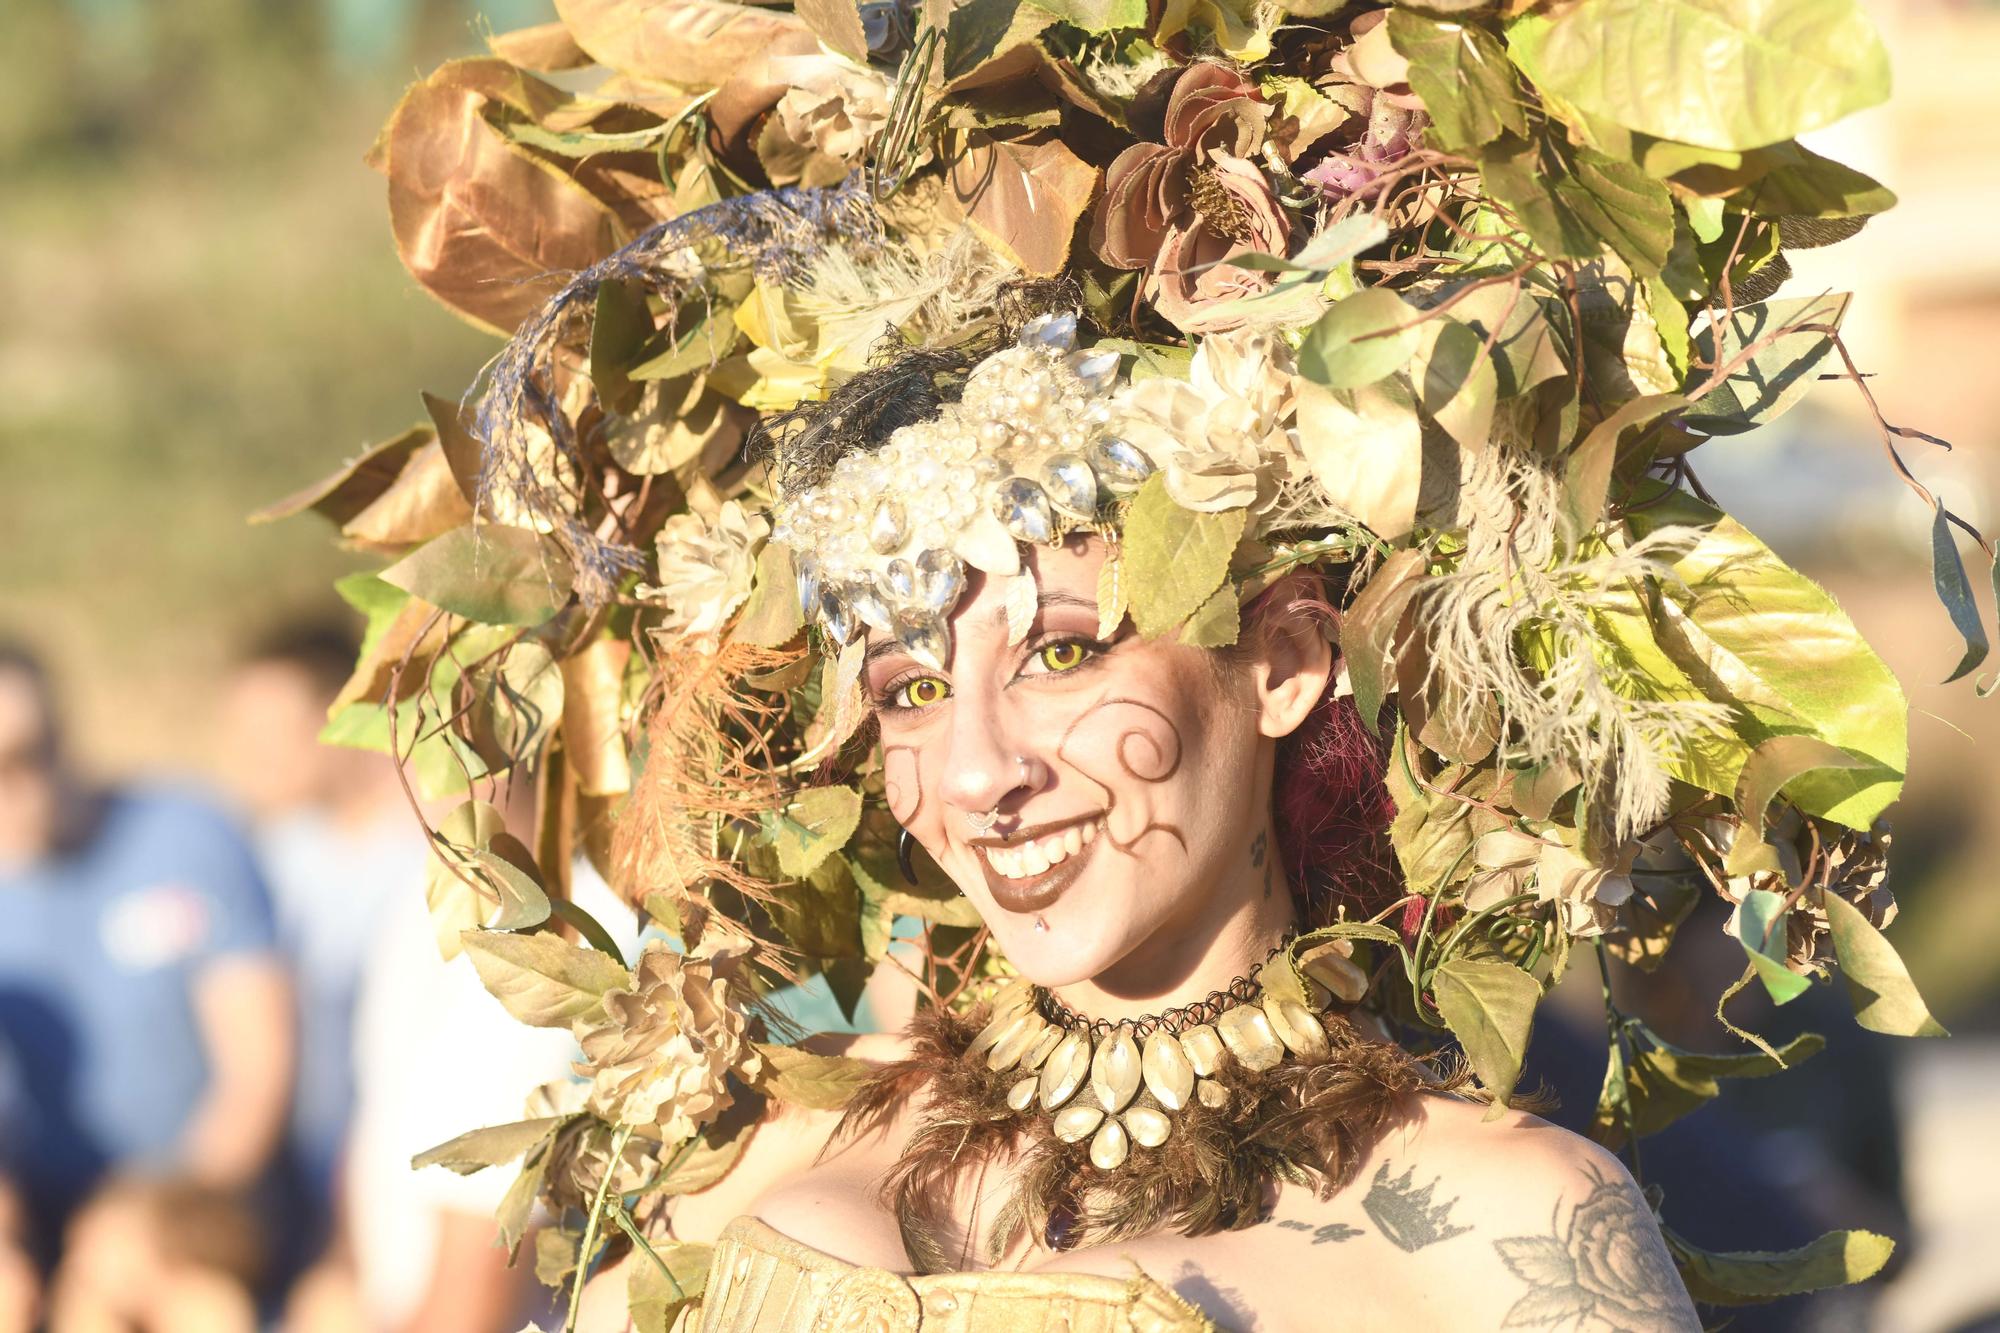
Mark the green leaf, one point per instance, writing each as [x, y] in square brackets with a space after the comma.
[822, 1082]
[813, 826]
[771, 616]
[380, 602]
[489, 573]
[1837, 1259]
[496, 1145]
[654, 1297]
[621, 323]
[702, 1160]
[1749, 630]
[1774, 378]
[1490, 1008]
[1955, 591]
[1461, 72]
[1096, 15]
[710, 336]
[1727, 74]
[1365, 337]
[542, 979]
[1797, 182]
[982, 31]
[1760, 925]
[1175, 558]
[1456, 381]
[1662, 1082]
[1217, 623]
[522, 901]
[1516, 177]
[1770, 766]
[1587, 472]
[1627, 209]
[1152, 361]
[1885, 999]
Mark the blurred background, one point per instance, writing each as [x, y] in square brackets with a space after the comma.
[201, 311]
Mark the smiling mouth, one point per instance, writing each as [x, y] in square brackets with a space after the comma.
[1029, 874]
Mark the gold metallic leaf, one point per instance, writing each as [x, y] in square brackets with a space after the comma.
[483, 224]
[593, 734]
[1024, 199]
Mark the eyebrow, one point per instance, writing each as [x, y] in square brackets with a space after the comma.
[1043, 602]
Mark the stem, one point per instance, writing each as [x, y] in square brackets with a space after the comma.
[619, 1139]
[1614, 1025]
[624, 1221]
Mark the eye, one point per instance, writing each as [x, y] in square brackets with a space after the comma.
[1063, 655]
[919, 693]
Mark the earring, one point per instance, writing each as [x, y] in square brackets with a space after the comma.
[903, 843]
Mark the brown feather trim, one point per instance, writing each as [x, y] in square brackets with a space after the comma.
[1307, 1122]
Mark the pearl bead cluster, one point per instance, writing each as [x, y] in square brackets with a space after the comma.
[1023, 457]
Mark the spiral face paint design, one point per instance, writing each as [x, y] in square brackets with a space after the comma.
[1146, 748]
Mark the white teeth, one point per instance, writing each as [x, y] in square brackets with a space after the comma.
[1035, 858]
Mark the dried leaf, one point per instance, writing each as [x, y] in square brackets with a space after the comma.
[822, 1082]
[545, 47]
[483, 224]
[492, 574]
[494, 1145]
[1885, 999]
[592, 727]
[1366, 449]
[816, 824]
[1023, 198]
[355, 485]
[696, 44]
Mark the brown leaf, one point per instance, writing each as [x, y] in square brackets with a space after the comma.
[416, 632]
[484, 225]
[546, 47]
[461, 450]
[423, 502]
[837, 23]
[356, 485]
[1023, 198]
[593, 687]
[694, 43]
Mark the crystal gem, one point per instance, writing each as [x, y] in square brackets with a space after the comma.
[1211, 1094]
[1120, 466]
[1330, 965]
[868, 604]
[1109, 1147]
[1097, 370]
[1148, 1126]
[1250, 1038]
[1075, 1123]
[1303, 1034]
[1057, 330]
[899, 580]
[940, 579]
[1007, 1052]
[1024, 510]
[835, 614]
[1071, 486]
[1169, 1076]
[1040, 1050]
[1065, 1070]
[1203, 1049]
[888, 527]
[1022, 1095]
[808, 585]
[1114, 1070]
[1002, 1025]
[924, 635]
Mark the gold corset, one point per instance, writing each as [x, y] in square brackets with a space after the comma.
[765, 1282]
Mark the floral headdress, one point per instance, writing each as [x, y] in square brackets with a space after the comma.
[1442, 292]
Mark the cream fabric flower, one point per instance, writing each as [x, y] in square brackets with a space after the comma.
[1223, 437]
[659, 1055]
[830, 111]
[1587, 895]
[706, 569]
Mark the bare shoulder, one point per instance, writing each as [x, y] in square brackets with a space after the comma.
[1516, 1223]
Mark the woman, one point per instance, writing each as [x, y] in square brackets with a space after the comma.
[1112, 368]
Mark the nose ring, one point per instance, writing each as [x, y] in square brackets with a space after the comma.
[982, 822]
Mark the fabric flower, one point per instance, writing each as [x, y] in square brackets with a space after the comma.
[1371, 80]
[1223, 437]
[1587, 896]
[659, 1055]
[830, 111]
[1195, 199]
[706, 569]
[580, 1156]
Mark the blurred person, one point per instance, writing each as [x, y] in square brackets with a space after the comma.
[20, 1282]
[336, 840]
[160, 1255]
[141, 995]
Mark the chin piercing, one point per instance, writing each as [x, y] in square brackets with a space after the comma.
[1041, 926]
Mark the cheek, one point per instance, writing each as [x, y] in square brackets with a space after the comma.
[902, 781]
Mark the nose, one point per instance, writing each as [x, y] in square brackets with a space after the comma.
[989, 765]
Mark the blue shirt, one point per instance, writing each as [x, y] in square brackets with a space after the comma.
[100, 951]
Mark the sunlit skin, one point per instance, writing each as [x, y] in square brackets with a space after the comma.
[1141, 767]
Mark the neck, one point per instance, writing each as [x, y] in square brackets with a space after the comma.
[1232, 930]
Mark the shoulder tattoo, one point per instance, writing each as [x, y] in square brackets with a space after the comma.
[1405, 1213]
[1606, 1268]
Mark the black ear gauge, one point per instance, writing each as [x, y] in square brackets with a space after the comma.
[903, 844]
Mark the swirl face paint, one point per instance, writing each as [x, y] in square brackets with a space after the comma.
[1129, 775]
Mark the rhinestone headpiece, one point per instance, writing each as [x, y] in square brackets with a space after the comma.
[1025, 455]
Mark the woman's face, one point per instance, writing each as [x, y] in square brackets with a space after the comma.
[1130, 777]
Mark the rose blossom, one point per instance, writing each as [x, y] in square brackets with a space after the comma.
[706, 569]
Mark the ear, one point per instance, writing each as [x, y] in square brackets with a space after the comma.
[1292, 660]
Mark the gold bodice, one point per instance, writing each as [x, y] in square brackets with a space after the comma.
[765, 1282]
